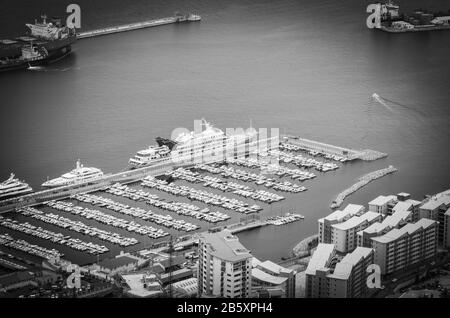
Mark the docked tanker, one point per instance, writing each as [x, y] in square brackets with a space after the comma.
[47, 41]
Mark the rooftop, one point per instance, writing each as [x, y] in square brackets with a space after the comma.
[408, 229]
[382, 200]
[266, 277]
[321, 257]
[134, 281]
[437, 200]
[338, 215]
[225, 246]
[275, 269]
[344, 268]
[356, 220]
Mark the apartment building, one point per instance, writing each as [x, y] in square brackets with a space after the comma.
[224, 268]
[327, 276]
[402, 248]
[435, 208]
[337, 216]
[272, 280]
[402, 214]
[344, 235]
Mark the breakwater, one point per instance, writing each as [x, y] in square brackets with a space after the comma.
[362, 181]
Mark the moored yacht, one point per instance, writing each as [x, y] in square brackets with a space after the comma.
[13, 187]
[150, 156]
[78, 175]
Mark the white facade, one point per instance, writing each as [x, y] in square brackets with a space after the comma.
[409, 245]
[327, 277]
[337, 216]
[381, 203]
[224, 266]
[344, 235]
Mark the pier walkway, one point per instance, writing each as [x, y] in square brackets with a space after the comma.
[131, 26]
[350, 154]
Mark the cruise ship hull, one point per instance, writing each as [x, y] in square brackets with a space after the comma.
[15, 194]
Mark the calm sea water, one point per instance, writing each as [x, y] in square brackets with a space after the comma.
[306, 67]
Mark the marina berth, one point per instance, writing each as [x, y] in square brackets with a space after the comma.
[78, 227]
[284, 219]
[177, 207]
[108, 219]
[78, 175]
[258, 179]
[200, 195]
[305, 162]
[315, 153]
[57, 238]
[163, 220]
[23, 246]
[13, 187]
[224, 186]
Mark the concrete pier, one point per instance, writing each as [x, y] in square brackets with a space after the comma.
[350, 154]
[129, 27]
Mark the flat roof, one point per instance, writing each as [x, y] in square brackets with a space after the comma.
[344, 268]
[382, 200]
[320, 258]
[134, 281]
[266, 277]
[225, 246]
[356, 220]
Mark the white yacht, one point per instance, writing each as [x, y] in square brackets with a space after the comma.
[149, 156]
[191, 144]
[13, 187]
[77, 175]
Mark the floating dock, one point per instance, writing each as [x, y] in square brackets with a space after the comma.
[132, 26]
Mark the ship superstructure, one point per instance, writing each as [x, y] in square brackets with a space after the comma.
[77, 175]
[392, 20]
[13, 187]
[48, 41]
[149, 156]
[192, 144]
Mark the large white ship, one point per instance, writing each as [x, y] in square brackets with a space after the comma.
[77, 175]
[150, 156]
[190, 145]
[13, 187]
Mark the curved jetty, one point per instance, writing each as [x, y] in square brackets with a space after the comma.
[362, 181]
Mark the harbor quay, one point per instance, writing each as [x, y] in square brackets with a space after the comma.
[112, 210]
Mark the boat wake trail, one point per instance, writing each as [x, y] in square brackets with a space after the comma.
[381, 101]
[405, 106]
[388, 103]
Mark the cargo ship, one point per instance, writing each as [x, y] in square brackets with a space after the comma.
[395, 22]
[47, 42]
